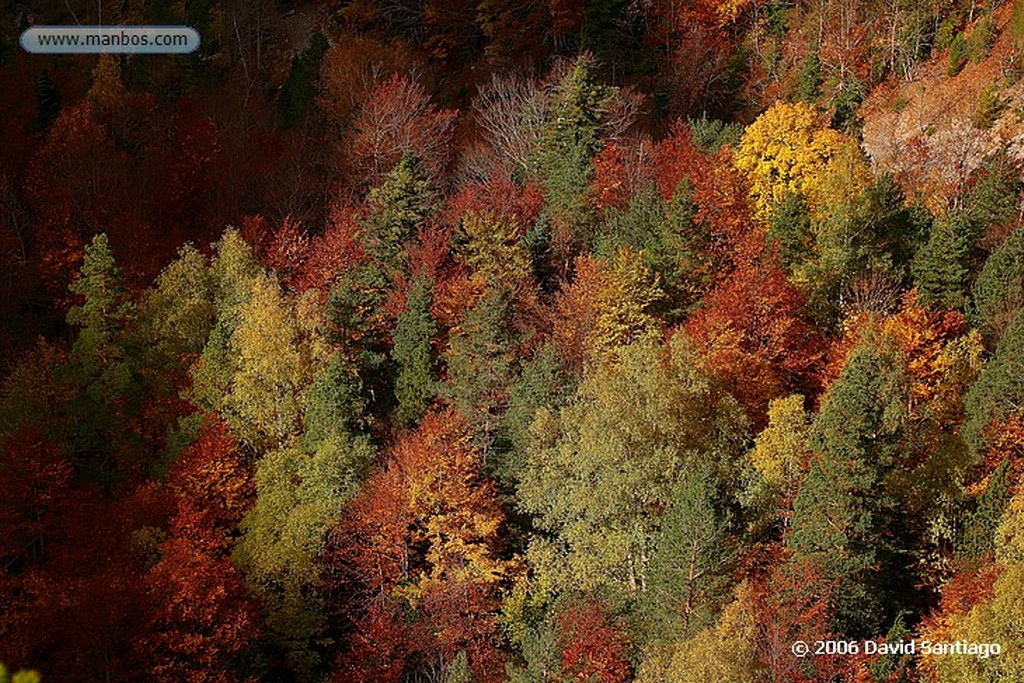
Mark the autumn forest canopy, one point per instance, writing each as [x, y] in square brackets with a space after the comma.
[544, 341]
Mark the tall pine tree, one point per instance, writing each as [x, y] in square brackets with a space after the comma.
[416, 383]
[100, 366]
[844, 518]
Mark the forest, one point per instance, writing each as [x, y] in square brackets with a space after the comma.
[537, 341]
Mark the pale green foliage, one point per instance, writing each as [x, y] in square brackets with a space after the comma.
[18, 676]
[721, 653]
[397, 208]
[212, 372]
[999, 619]
[1010, 534]
[1009, 539]
[298, 495]
[105, 303]
[178, 313]
[232, 273]
[233, 270]
[1002, 622]
[459, 670]
[263, 405]
[600, 472]
[1017, 22]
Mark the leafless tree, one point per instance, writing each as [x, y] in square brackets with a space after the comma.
[511, 112]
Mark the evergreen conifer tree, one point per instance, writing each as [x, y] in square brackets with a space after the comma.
[843, 515]
[999, 390]
[415, 384]
[941, 268]
[999, 289]
[48, 100]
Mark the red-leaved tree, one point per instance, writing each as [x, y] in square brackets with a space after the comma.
[423, 538]
[398, 119]
[593, 647]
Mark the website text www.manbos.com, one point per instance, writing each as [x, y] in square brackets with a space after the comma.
[110, 39]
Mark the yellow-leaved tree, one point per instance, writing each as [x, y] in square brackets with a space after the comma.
[264, 403]
[623, 306]
[781, 449]
[723, 652]
[997, 619]
[779, 456]
[491, 246]
[787, 152]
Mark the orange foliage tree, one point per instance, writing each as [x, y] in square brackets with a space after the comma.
[593, 648]
[792, 603]
[72, 184]
[202, 617]
[199, 614]
[754, 338]
[423, 535]
[210, 478]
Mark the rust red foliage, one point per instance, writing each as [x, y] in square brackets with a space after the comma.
[751, 332]
[202, 615]
[288, 250]
[622, 169]
[333, 252]
[425, 532]
[677, 158]
[37, 479]
[575, 311]
[792, 603]
[593, 648]
[213, 487]
[398, 119]
[379, 647]
[723, 203]
[501, 195]
[72, 188]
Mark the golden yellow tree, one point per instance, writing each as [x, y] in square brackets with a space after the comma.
[997, 619]
[786, 152]
[783, 447]
[623, 306]
[723, 652]
[492, 247]
[264, 402]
